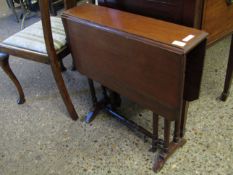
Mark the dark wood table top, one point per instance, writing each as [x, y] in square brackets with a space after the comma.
[133, 24]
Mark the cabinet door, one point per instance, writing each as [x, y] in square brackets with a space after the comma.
[169, 10]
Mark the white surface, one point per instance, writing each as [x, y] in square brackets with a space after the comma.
[178, 43]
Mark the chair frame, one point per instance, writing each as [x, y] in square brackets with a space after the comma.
[52, 57]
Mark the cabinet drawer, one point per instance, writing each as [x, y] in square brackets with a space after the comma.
[169, 10]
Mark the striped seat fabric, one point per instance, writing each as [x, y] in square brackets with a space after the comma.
[32, 37]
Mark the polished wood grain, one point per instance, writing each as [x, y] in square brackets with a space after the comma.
[127, 22]
[213, 16]
[179, 11]
[151, 8]
[69, 3]
[217, 19]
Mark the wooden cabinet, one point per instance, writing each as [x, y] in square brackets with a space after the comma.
[214, 16]
[167, 9]
[217, 19]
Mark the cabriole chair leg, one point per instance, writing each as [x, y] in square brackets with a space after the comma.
[4, 63]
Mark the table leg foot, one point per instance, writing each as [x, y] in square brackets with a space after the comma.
[162, 156]
[158, 163]
[21, 100]
[224, 96]
[97, 108]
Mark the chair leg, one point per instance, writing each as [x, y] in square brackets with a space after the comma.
[63, 90]
[4, 63]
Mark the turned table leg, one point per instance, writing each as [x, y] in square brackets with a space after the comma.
[4, 63]
[115, 99]
[169, 147]
[183, 118]
[155, 135]
[92, 90]
[167, 129]
[228, 78]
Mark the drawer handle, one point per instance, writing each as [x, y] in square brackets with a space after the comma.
[229, 2]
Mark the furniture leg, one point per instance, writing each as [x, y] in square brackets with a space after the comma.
[73, 68]
[97, 106]
[228, 78]
[96, 109]
[23, 9]
[168, 148]
[62, 67]
[12, 7]
[177, 128]
[167, 129]
[4, 63]
[115, 99]
[183, 118]
[24, 17]
[104, 91]
[155, 135]
[63, 90]
[178, 141]
[92, 89]
[164, 152]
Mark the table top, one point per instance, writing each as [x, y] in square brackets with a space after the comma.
[181, 37]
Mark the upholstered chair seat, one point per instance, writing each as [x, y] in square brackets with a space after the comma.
[32, 37]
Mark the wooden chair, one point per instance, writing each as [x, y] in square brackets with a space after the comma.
[44, 42]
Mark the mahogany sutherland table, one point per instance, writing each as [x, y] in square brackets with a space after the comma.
[154, 63]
